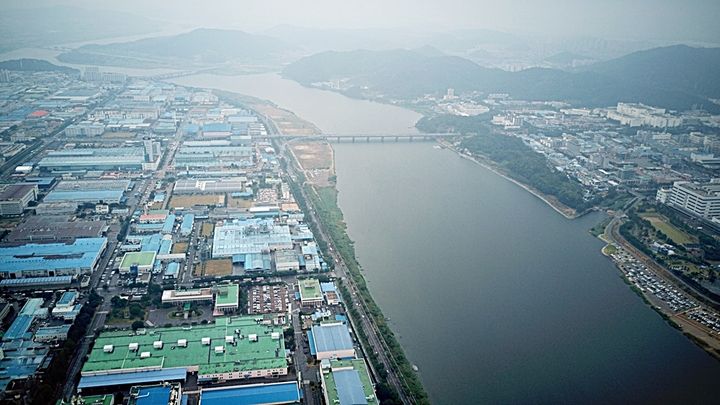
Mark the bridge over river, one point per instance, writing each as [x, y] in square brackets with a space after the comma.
[367, 137]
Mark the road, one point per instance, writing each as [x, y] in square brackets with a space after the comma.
[367, 322]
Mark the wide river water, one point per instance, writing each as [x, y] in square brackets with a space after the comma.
[493, 295]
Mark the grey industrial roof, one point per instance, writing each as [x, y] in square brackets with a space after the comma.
[329, 338]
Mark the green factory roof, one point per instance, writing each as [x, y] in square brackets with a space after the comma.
[332, 384]
[232, 296]
[266, 353]
[141, 258]
[310, 288]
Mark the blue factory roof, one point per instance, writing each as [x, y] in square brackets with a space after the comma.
[19, 328]
[217, 128]
[331, 337]
[325, 287]
[187, 223]
[149, 226]
[165, 247]
[81, 254]
[52, 330]
[136, 378]
[262, 394]
[154, 396]
[191, 128]
[43, 281]
[82, 195]
[172, 269]
[349, 387]
[21, 362]
[169, 223]
[67, 298]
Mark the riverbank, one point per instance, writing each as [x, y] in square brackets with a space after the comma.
[561, 209]
[628, 261]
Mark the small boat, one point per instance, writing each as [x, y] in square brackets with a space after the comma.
[414, 367]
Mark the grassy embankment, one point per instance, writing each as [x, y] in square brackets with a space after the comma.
[324, 200]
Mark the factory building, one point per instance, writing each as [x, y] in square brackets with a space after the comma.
[310, 292]
[249, 236]
[16, 197]
[331, 341]
[53, 259]
[347, 382]
[233, 348]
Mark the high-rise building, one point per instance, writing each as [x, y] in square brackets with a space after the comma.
[4, 76]
[92, 74]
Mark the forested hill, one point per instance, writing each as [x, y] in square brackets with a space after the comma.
[36, 65]
[407, 74]
[679, 67]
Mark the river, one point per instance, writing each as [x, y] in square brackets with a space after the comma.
[493, 295]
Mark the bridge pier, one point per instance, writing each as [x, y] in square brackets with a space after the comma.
[367, 139]
[353, 139]
[382, 139]
[338, 139]
[411, 139]
[397, 138]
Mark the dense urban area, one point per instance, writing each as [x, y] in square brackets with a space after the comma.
[170, 243]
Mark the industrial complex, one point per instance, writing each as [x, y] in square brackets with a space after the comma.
[167, 210]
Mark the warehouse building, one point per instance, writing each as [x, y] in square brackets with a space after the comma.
[192, 186]
[249, 236]
[36, 283]
[187, 224]
[54, 228]
[52, 333]
[255, 394]
[16, 197]
[347, 382]
[237, 348]
[53, 259]
[93, 159]
[331, 341]
[286, 260]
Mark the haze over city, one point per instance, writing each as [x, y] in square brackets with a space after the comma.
[667, 20]
[359, 202]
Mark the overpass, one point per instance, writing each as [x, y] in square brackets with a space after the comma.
[367, 137]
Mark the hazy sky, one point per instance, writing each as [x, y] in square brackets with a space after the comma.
[626, 19]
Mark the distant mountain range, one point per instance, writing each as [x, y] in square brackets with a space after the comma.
[201, 46]
[676, 77]
[43, 26]
[36, 65]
